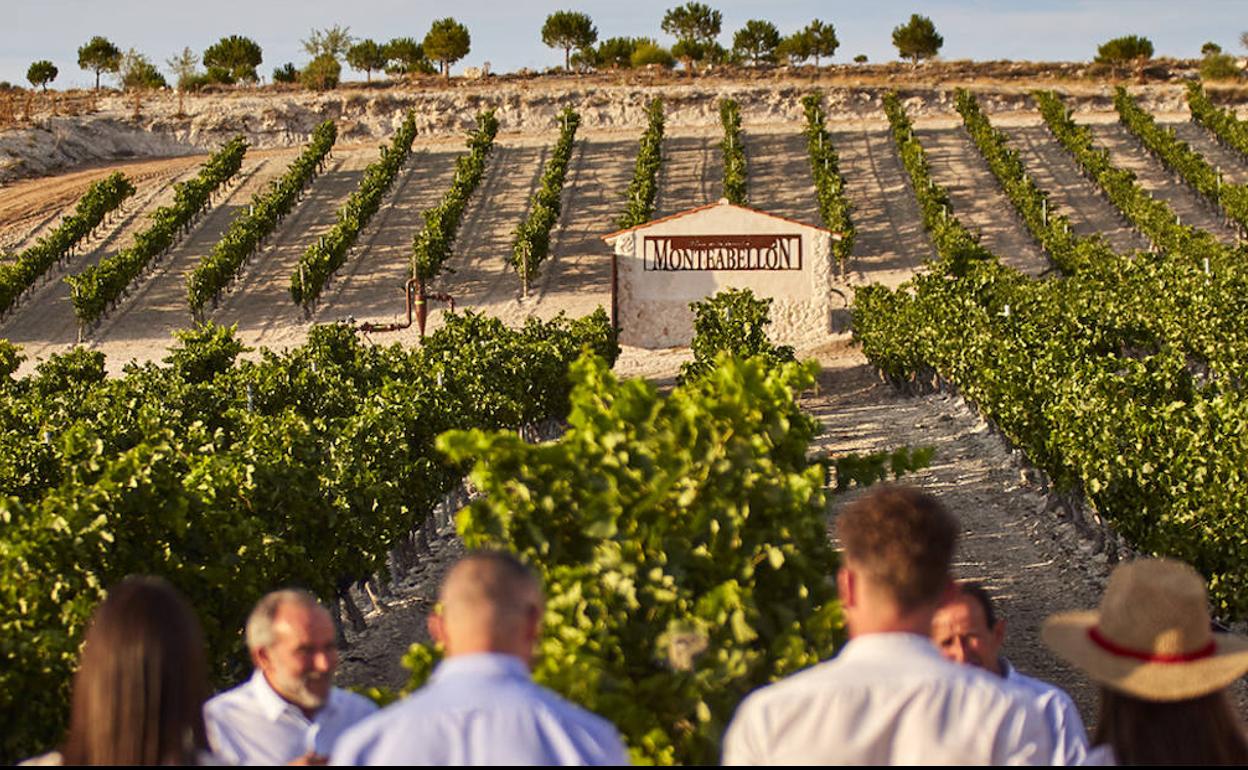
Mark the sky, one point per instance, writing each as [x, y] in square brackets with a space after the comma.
[506, 33]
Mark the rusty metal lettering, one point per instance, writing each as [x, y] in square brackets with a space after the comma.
[673, 253]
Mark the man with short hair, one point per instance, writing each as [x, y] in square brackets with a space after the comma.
[289, 711]
[967, 630]
[889, 697]
[480, 706]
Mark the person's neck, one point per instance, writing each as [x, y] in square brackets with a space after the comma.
[918, 623]
[307, 712]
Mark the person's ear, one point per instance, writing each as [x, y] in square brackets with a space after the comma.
[437, 628]
[847, 586]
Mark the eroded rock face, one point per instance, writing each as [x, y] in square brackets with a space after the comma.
[283, 119]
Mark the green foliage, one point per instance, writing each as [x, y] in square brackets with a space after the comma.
[917, 39]
[648, 53]
[756, 41]
[569, 30]
[733, 321]
[137, 73]
[185, 68]
[287, 73]
[332, 41]
[1122, 50]
[617, 52]
[645, 184]
[41, 73]
[1228, 128]
[795, 48]
[447, 42]
[834, 205]
[10, 358]
[302, 468]
[1220, 66]
[532, 244]
[695, 27]
[406, 56]
[864, 470]
[822, 39]
[433, 245]
[101, 198]
[1210, 48]
[218, 268]
[237, 55]
[322, 73]
[99, 55]
[681, 541]
[321, 259]
[860, 59]
[98, 287]
[367, 56]
[736, 175]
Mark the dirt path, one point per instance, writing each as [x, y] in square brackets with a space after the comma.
[1126, 152]
[692, 173]
[780, 180]
[1079, 199]
[978, 200]
[1233, 165]
[891, 242]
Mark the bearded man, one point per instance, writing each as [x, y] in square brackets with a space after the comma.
[289, 712]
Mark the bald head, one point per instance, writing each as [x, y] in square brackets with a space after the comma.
[490, 602]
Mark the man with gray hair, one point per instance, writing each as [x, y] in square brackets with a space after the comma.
[481, 706]
[289, 712]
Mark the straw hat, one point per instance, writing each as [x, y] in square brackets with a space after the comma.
[1151, 638]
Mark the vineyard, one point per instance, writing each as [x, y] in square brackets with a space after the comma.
[1054, 304]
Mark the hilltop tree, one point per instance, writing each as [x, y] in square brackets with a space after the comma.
[917, 39]
[185, 67]
[99, 55]
[137, 73]
[617, 52]
[795, 48]
[649, 52]
[695, 27]
[1125, 50]
[1210, 48]
[569, 30]
[335, 42]
[447, 42]
[233, 59]
[366, 56]
[404, 56]
[322, 73]
[41, 73]
[757, 41]
[823, 40]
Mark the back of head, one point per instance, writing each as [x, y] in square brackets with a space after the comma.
[141, 683]
[902, 540]
[1197, 731]
[490, 601]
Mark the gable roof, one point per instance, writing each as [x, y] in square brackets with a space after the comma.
[721, 202]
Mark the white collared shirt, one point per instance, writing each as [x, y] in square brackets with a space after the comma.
[888, 699]
[253, 725]
[1070, 738]
[482, 709]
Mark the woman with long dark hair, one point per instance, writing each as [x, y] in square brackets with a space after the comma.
[139, 691]
[1163, 671]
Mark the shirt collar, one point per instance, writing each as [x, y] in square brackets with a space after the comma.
[272, 705]
[484, 664]
[886, 645]
[1007, 670]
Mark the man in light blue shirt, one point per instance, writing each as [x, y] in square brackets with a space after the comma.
[480, 706]
[967, 630]
[289, 711]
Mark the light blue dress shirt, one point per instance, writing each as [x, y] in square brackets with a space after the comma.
[1070, 738]
[253, 725]
[481, 710]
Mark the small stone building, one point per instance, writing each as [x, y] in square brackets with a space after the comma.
[662, 266]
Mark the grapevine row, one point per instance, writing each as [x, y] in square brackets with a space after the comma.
[305, 468]
[834, 206]
[100, 199]
[323, 258]
[1228, 128]
[645, 185]
[217, 269]
[1232, 199]
[1051, 230]
[99, 287]
[432, 246]
[532, 244]
[1153, 217]
[735, 173]
[1113, 409]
